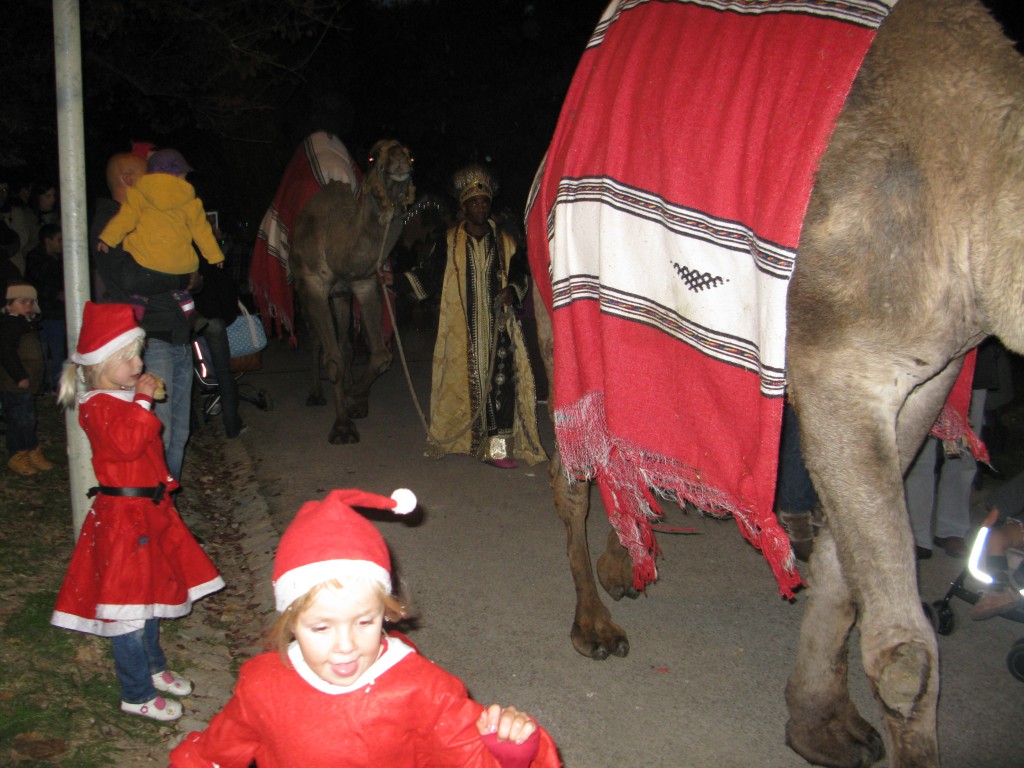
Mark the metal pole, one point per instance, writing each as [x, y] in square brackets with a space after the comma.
[67, 47]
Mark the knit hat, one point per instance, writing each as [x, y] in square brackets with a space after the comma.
[22, 291]
[106, 328]
[330, 540]
[167, 161]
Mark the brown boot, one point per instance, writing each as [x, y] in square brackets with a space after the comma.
[20, 463]
[37, 460]
[999, 600]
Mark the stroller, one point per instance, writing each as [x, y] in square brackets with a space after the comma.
[944, 619]
[206, 394]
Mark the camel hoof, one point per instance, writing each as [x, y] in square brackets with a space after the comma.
[844, 740]
[314, 400]
[339, 436]
[600, 648]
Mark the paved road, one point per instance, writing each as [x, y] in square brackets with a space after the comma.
[712, 643]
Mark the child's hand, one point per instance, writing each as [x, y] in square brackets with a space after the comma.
[146, 385]
[509, 724]
[23, 384]
[102, 247]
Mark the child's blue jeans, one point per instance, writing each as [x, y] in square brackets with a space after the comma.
[20, 414]
[137, 657]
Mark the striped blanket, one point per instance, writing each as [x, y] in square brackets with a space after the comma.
[319, 159]
[667, 214]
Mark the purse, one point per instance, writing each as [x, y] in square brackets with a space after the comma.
[246, 335]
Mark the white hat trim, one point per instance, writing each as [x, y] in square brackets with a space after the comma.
[112, 346]
[298, 581]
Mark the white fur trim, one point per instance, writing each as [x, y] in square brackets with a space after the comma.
[295, 583]
[112, 346]
[405, 501]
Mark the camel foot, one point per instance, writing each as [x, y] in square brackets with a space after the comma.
[314, 400]
[611, 640]
[343, 434]
[844, 741]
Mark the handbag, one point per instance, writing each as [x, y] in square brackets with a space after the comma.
[246, 335]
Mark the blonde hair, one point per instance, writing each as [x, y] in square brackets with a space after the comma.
[282, 632]
[89, 375]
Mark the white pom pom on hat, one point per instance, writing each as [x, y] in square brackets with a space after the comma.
[329, 540]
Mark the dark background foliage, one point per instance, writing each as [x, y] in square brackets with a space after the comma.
[235, 85]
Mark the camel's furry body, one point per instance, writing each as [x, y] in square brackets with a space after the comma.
[912, 252]
[339, 244]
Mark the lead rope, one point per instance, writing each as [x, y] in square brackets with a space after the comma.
[394, 328]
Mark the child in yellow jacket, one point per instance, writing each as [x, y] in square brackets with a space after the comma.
[158, 222]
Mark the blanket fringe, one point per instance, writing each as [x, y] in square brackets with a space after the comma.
[629, 478]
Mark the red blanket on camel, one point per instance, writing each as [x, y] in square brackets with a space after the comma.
[667, 215]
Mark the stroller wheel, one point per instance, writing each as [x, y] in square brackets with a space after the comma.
[1015, 660]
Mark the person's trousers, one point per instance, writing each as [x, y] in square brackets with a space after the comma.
[941, 507]
[19, 410]
[173, 364]
[137, 657]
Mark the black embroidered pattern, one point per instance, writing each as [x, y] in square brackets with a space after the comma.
[695, 280]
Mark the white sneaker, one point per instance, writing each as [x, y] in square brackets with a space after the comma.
[157, 708]
[169, 682]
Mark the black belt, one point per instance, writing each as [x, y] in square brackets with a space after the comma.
[155, 493]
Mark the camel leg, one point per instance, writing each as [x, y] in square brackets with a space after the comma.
[338, 360]
[316, 389]
[824, 726]
[849, 434]
[368, 293]
[317, 306]
[615, 569]
[594, 634]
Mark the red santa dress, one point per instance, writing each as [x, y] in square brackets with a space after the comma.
[134, 559]
[404, 712]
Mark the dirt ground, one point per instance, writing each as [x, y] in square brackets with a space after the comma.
[712, 643]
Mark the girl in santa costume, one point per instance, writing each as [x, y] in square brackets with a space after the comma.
[135, 561]
[340, 691]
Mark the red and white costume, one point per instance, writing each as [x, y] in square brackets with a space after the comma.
[404, 712]
[135, 559]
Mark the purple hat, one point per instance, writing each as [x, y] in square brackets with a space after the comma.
[167, 161]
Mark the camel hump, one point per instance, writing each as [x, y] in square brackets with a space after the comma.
[331, 212]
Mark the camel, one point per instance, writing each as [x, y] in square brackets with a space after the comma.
[339, 244]
[910, 254]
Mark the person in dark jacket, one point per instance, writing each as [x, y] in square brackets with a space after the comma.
[218, 303]
[21, 373]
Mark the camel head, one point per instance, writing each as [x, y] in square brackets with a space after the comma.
[389, 179]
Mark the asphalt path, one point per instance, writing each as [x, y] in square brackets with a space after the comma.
[484, 563]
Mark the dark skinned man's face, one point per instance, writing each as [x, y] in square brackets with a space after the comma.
[477, 210]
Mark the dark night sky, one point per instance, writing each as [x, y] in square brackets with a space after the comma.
[457, 80]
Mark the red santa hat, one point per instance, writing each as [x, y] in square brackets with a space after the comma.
[106, 328]
[330, 540]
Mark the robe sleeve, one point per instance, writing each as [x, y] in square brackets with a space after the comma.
[230, 741]
[124, 221]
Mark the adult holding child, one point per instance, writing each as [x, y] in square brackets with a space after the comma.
[162, 298]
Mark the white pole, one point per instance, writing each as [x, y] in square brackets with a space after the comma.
[67, 47]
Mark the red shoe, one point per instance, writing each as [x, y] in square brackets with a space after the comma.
[504, 463]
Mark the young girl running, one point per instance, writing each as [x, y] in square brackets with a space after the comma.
[341, 692]
[135, 561]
